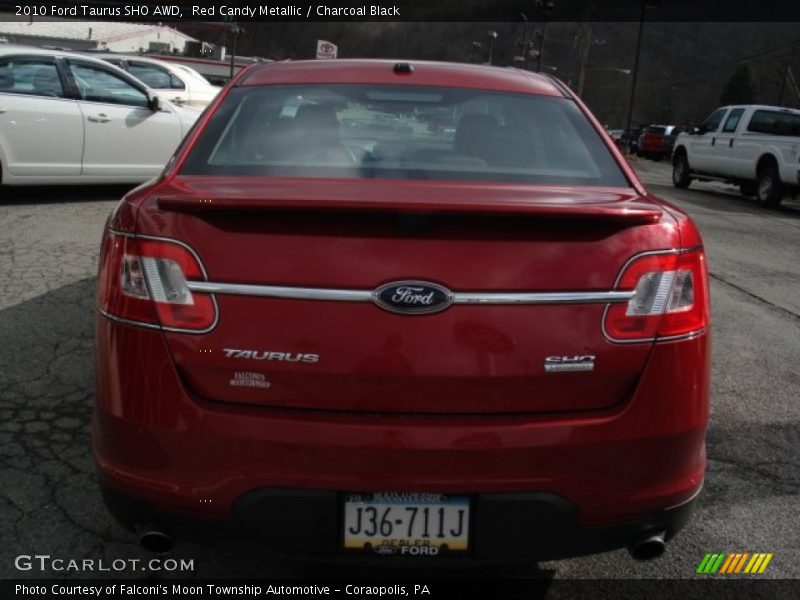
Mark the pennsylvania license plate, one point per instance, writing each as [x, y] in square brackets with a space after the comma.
[406, 524]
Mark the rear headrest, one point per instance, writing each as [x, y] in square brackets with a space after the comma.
[316, 116]
[473, 132]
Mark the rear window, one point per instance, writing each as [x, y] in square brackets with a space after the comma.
[658, 130]
[775, 123]
[368, 131]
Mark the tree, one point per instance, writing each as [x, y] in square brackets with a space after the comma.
[740, 88]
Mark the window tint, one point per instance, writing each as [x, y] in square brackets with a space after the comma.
[775, 123]
[32, 76]
[733, 120]
[192, 73]
[99, 85]
[154, 77]
[374, 131]
[712, 122]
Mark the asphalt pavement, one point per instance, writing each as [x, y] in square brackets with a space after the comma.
[50, 504]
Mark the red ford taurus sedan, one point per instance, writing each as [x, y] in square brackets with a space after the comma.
[405, 312]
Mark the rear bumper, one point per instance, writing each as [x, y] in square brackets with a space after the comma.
[652, 150]
[507, 528]
[180, 455]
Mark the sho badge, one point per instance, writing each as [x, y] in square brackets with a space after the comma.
[569, 363]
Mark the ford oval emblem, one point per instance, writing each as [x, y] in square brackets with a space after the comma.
[412, 297]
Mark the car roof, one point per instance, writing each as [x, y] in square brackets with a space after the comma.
[425, 73]
[15, 49]
[144, 59]
[11, 49]
[784, 109]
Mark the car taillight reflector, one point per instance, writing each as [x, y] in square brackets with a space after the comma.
[145, 281]
[671, 298]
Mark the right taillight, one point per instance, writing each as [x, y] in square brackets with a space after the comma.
[144, 281]
[671, 298]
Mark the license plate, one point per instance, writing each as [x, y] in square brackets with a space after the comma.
[406, 524]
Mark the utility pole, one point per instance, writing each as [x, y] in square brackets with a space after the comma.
[671, 109]
[784, 75]
[492, 35]
[234, 34]
[583, 59]
[645, 5]
[787, 73]
[545, 8]
[793, 82]
[583, 54]
[476, 51]
[524, 52]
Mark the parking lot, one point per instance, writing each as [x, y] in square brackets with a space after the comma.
[49, 502]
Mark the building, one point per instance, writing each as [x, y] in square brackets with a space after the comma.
[95, 35]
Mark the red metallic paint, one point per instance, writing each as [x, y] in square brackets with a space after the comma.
[381, 72]
[625, 441]
[155, 440]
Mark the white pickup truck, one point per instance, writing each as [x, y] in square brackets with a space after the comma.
[755, 147]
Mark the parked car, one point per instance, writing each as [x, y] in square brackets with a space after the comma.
[616, 135]
[672, 137]
[752, 146]
[177, 83]
[656, 141]
[347, 341]
[67, 118]
[630, 139]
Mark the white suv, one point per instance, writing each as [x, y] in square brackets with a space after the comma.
[755, 147]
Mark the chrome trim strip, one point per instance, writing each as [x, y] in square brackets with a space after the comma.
[683, 336]
[340, 295]
[126, 234]
[116, 319]
[277, 291]
[155, 327]
[544, 298]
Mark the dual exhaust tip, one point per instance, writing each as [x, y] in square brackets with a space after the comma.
[155, 539]
[646, 547]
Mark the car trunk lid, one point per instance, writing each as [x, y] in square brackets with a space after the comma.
[347, 353]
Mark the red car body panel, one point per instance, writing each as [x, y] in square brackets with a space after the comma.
[653, 142]
[646, 454]
[383, 72]
[473, 356]
[457, 401]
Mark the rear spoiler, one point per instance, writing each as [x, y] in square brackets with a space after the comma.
[232, 194]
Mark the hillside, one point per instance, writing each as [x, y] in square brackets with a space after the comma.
[683, 70]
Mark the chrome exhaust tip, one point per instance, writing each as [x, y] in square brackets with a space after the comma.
[154, 539]
[649, 546]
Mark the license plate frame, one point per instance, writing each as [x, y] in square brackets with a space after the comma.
[458, 517]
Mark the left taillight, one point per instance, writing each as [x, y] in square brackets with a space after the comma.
[144, 281]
